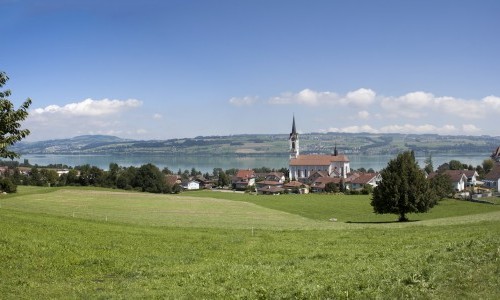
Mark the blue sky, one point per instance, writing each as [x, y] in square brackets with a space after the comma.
[171, 69]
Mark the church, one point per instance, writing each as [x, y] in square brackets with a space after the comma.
[303, 166]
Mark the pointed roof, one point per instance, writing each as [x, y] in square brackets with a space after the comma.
[294, 130]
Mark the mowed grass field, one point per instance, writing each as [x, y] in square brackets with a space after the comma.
[96, 243]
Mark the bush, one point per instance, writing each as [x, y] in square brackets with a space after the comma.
[7, 186]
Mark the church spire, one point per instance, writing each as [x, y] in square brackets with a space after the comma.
[294, 141]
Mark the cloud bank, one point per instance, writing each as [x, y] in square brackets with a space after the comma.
[413, 112]
[88, 116]
[89, 107]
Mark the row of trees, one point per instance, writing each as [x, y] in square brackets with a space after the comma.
[146, 178]
[454, 164]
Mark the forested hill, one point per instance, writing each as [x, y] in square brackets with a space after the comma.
[258, 144]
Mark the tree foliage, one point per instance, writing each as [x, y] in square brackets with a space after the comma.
[10, 118]
[488, 165]
[441, 185]
[429, 166]
[331, 187]
[403, 189]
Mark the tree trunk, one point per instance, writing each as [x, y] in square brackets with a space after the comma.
[403, 218]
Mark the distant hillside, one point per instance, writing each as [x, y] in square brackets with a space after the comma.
[258, 144]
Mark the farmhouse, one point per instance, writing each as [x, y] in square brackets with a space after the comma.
[191, 185]
[365, 179]
[457, 177]
[303, 166]
[243, 179]
[492, 179]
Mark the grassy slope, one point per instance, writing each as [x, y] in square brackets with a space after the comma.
[52, 255]
[346, 208]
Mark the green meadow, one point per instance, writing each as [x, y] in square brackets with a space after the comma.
[96, 243]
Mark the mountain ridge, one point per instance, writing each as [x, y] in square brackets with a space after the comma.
[262, 144]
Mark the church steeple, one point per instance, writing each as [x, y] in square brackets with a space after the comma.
[294, 141]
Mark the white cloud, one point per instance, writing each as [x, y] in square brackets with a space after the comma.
[492, 102]
[89, 107]
[470, 129]
[418, 129]
[407, 129]
[361, 97]
[157, 116]
[420, 104]
[352, 129]
[88, 116]
[363, 114]
[305, 97]
[245, 101]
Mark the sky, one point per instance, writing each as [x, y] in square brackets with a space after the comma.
[175, 69]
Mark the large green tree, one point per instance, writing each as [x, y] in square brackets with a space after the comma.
[403, 189]
[10, 118]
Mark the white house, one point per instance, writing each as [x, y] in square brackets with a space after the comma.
[458, 179]
[191, 185]
[360, 181]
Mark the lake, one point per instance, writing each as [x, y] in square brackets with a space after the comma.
[208, 163]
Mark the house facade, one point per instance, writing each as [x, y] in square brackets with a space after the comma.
[243, 179]
[363, 179]
[191, 185]
[492, 179]
[457, 177]
[303, 166]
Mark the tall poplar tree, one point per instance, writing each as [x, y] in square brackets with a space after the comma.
[403, 189]
[10, 118]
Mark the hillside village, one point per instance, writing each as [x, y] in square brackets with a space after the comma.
[319, 173]
[306, 173]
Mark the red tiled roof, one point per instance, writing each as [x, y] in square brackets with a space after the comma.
[325, 180]
[171, 179]
[364, 178]
[271, 189]
[245, 174]
[294, 184]
[269, 182]
[455, 175]
[317, 160]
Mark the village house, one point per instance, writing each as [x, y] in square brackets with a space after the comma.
[190, 185]
[275, 176]
[363, 179]
[172, 180]
[318, 186]
[472, 176]
[243, 179]
[270, 190]
[296, 187]
[303, 166]
[204, 182]
[492, 179]
[457, 177]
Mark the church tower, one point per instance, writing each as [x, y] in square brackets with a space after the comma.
[294, 141]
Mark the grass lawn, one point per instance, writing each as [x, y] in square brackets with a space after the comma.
[197, 246]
